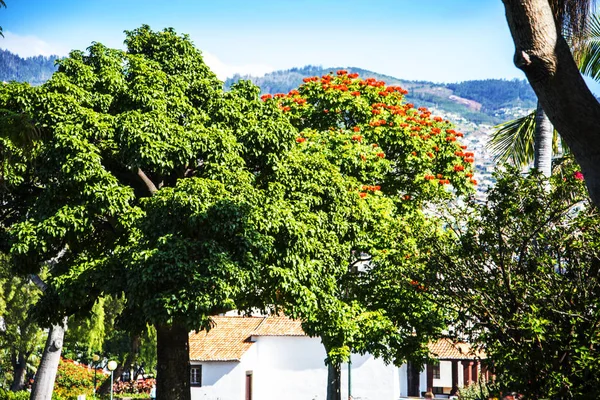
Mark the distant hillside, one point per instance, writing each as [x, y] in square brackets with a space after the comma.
[35, 70]
[490, 101]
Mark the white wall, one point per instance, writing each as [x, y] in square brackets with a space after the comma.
[224, 380]
[371, 379]
[445, 375]
[290, 368]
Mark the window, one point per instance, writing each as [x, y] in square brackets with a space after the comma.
[436, 371]
[196, 375]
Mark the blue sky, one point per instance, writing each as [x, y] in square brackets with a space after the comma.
[437, 40]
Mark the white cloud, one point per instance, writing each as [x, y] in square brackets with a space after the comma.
[28, 46]
[224, 71]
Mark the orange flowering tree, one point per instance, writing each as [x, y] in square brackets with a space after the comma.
[402, 159]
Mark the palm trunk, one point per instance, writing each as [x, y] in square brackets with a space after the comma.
[545, 57]
[544, 133]
[334, 381]
[46, 373]
[19, 364]
[172, 378]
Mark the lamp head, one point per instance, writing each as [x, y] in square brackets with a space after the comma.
[112, 365]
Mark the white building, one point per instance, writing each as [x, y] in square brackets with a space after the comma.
[269, 358]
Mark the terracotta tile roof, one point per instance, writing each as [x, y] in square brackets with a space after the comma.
[446, 349]
[279, 326]
[230, 338]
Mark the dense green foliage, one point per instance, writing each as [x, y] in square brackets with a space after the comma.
[21, 338]
[522, 272]
[35, 70]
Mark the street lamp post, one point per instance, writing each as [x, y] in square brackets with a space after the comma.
[95, 359]
[112, 365]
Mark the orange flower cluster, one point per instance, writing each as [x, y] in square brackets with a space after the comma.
[265, 97]
[356, 128]
[357, 138]
[378, 123]
[428, 177]
[356, 93]
[353, 75]
[342, 72]
[300, 140]
[371, 188]
[459, 168]
[380, 155]
[438, 119]
[362, 195]
[473, 181]
[310, 79]
[444, 182]
[372, 82]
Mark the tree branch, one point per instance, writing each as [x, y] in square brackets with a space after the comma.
[149, 184]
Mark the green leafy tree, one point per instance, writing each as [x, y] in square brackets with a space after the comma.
[151, 181]
[404, 160]
[20, 335]
[521, 272]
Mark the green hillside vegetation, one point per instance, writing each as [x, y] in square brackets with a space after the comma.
[492, 94]
[35, 70]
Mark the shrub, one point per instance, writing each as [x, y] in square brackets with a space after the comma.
[73, 379]
[8, 395]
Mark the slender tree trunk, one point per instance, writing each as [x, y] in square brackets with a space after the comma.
[544, 133]
[173, 377]
[544, 55]
[46, 373]
[19, 364]
[334, 381]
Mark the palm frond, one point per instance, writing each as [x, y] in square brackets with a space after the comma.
[512, 142]
[573, 16]
[587, 54]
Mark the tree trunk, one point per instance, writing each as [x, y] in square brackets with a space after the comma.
[173, 376]
[46, 373]
[19, 364]
[544, 55]
[544, 133]
[334, 381]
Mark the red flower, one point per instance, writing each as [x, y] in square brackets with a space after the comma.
[358, 138]
[300, 140]
[355, 93]
[381, 155]
[342, 72]
[356, 129]
[325, 111]
[353, 76]
[578, 175]
[362, 195]
[459, 168]
[265, 97]
[473, 181]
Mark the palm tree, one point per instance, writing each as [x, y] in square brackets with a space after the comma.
[532, 137]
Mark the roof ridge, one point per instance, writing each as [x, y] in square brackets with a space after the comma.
[259, 325]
